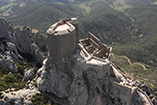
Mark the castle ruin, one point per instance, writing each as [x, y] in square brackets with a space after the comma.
[63, 40]
[83, 70]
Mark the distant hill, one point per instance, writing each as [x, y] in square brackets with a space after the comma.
[100, 19]
[109, 25]
[41, 15]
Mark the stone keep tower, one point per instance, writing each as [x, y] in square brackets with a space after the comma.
[63, 37]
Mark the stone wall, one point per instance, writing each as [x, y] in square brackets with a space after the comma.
[61, 45]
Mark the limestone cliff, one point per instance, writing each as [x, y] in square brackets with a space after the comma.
[73, 81]
[83, 79]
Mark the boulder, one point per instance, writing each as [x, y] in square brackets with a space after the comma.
[29, 74]
[17, 44]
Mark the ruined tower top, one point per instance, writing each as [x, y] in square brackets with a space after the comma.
[60, 28]
[63, 37]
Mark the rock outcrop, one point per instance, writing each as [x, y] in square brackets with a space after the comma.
[74, 80]
[83, 83]
[86, 76]
[29, 74]
[17, 44]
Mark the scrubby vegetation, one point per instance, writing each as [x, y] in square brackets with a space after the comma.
[39, 99]
[10, 79]
[42, 12]
[3, 71]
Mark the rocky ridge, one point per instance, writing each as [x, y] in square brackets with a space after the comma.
[17, 44]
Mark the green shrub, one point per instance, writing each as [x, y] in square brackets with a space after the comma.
[9, 78]
[39, 99]
[4, 70]
[21, 66]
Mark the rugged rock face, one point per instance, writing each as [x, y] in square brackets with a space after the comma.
[6, 29]
[17, 44]
[40, 41]
[76, 81]
[8, 50]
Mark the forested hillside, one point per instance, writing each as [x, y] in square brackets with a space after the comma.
[41, 14]
[144, 16]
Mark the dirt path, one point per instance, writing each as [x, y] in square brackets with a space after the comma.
[129, 61]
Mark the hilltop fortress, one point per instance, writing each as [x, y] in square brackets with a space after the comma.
[80, 72]
[73, 72]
